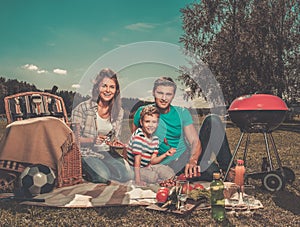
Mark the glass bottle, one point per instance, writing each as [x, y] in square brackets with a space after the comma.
[239, 173]
[217, 200]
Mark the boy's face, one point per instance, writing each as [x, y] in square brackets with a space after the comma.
[149, 124]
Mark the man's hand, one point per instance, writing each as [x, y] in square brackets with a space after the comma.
[192, 170]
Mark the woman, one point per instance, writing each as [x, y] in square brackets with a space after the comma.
[100, 119]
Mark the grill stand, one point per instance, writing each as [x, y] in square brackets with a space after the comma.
[272, 179]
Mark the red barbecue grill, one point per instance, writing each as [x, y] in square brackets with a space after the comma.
[261, 113]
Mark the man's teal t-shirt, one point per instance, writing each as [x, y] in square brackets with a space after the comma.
[170, 130]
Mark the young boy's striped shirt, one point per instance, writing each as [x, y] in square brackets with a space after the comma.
[139, 144]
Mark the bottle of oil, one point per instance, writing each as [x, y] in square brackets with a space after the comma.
[217, 200]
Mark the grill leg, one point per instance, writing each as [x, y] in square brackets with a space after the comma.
[234, 154]
[246, 148]
[268, 151]
[276, 154]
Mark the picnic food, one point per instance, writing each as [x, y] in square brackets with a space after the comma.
[198, 186]
[115, 143]
[198, 193]
[162, 195]
[181, 177]
[172, 198]
[168, 183]
[187, 188]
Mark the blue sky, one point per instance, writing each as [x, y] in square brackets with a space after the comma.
[48, 42]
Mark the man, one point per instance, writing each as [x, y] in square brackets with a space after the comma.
[176, 130]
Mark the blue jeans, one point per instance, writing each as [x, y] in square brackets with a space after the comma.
[95, 169]
[106, 169]
[215, 148]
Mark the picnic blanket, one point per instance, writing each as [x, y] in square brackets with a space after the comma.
[88, 194]
[93, 195]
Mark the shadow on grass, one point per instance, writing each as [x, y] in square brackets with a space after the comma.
[288, 201]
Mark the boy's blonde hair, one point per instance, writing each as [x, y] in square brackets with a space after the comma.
[149, 110]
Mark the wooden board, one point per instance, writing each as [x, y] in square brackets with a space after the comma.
[190, 206]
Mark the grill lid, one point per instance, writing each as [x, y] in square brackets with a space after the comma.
[258, 102]
[258, 112]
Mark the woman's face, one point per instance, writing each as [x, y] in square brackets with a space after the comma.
[107, 89]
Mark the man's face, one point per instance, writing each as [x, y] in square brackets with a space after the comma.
[163, 96]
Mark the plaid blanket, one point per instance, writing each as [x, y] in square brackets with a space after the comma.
[94, 195]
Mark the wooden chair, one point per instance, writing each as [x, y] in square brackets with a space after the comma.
[28, 105]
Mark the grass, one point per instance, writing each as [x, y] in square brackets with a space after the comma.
[280, 208]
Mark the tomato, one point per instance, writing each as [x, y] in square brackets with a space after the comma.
[198, 186]
[185, 187]
[162, 195]
[181, 177]
[163, 189]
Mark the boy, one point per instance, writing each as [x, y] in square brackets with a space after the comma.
[143, 150]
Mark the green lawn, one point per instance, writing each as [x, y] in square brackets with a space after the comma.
[280, 208]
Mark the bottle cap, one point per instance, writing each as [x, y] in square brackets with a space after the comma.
[216, 175]
[240, 162]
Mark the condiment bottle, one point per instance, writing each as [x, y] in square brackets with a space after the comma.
[217, 200]
[239, 173]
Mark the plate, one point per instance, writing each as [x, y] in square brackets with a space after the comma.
[116, 144]
[101, 147]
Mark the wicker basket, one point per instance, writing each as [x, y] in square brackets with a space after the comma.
[70, 170]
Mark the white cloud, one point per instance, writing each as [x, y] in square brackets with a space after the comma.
[60, 71]
[41, 71]
[75, 86]
[139, 26]
[30, 67]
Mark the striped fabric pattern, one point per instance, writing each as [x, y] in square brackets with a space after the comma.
[139, 144]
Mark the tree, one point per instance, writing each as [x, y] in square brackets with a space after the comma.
[249, 46]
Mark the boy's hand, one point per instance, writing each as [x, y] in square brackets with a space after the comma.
[171, 151]
[140, 183]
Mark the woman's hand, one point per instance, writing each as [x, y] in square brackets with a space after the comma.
[100, 139]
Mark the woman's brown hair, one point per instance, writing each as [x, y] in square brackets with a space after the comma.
[115, 104]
